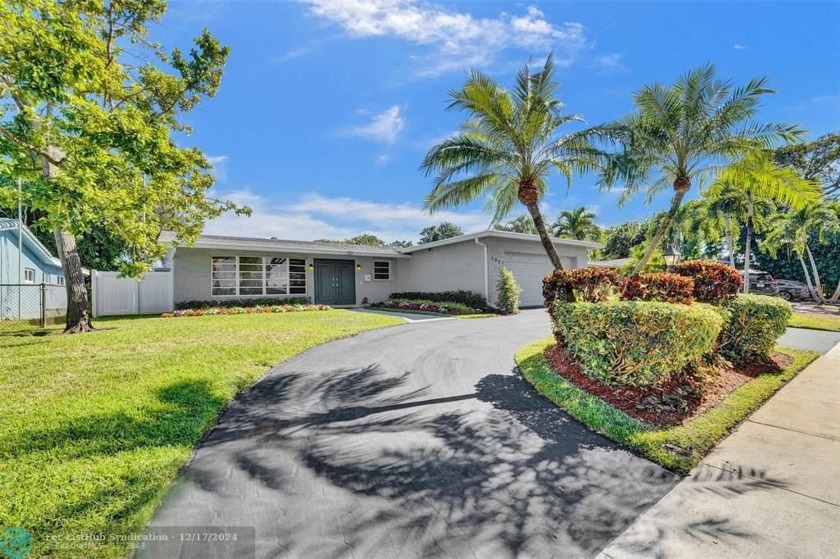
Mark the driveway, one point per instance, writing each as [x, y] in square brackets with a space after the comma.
[413, 441]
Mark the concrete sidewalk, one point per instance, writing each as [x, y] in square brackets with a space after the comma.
[771, 489]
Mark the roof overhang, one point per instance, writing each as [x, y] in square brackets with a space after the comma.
[503, 235]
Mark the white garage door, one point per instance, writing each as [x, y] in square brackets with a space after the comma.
[529, 270]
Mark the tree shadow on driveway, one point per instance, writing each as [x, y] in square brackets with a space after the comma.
[366, 463]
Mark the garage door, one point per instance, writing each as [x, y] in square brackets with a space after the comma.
[529, 270]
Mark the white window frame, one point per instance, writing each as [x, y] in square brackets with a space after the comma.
[266, 261]
[29, 275]
[378, 263]
[59, 280]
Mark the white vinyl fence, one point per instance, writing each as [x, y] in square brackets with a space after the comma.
[113, 295]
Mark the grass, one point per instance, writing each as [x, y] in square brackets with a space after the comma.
[95, 427]
[815, 322]
[695, 438]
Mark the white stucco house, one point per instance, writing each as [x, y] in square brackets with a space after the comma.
[221, 267]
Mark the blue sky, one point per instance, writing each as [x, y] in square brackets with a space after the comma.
[327, 106]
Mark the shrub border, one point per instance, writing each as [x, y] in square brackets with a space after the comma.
[697, 437]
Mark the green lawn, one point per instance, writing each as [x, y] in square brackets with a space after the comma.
[94, 427]
[815, 322]
[695, 438]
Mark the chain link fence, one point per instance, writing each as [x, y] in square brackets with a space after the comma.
[29, 306]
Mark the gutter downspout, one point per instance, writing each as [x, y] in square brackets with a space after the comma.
[20, 251]
[486, 271]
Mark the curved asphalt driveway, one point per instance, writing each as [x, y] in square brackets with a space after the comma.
[414, 441]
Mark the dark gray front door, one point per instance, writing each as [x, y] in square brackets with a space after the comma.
[335, 282]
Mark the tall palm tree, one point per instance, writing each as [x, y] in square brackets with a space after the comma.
[683, 132]
[759, 182]
[519, 224]
[576, 224]
[508, 147]
[794, 230]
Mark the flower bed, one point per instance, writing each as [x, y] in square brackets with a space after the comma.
[436, 307]
[212, 311]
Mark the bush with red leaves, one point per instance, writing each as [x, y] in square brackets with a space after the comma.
[714, 282]
[592, 285]
[663, 287]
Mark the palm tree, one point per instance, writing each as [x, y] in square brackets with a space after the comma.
[519, 224]
[758, 182]
[576, 224]
[508, 147]
[794, 229]
[686, 131]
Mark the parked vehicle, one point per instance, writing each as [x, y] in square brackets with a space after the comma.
[791, 290]
[762, 283]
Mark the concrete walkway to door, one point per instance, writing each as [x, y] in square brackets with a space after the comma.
[770, 490]
[413, 441]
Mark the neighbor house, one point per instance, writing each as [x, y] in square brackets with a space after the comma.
[26, 264]
[219, 267]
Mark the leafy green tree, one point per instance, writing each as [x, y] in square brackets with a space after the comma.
[817, 161]
[366, 239]
[519, 224]
[401, 244]
[509, 291]
[90, 108]
[619, 240]
[756, 180]
[577, 224]
[443, 230]
[508, 147]
[685, 131]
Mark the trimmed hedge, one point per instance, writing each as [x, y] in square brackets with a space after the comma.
[421, 305]
[213, 311]
[468, 298]
[752, 324]
[508, 291]
[243, 303]
[714, 282]
[633, 342]
[661, 286]
[588, 284]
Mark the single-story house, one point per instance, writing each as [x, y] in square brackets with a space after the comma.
[614, 263]
[221, 267]
[25, 266]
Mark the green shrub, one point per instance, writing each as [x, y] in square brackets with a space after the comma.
[468, 298]
[660, 286]
[633, 342]
[509, 291]
[252, 302]
[714, 282]
[588, 284]
[424, 305]
[752, 324]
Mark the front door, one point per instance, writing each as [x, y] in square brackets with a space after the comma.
[335, 282]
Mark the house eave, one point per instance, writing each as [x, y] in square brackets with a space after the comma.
[503, 235]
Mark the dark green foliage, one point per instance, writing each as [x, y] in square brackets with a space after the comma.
[752, 324]
[426, 306]
[509, 292]
[635, 343]
[620, 239]
[439, 232]
[713, 282]
[787, 266]
[818, 161]
[468, 298]
[587, 284]
[255, 302]
[660, 286]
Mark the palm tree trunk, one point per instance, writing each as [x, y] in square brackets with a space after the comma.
[817, 282]
[539, 223]
[808, 278]
[747, 247]
[836, 297]
[730, 240]
[663, 227]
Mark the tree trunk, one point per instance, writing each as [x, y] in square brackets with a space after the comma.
[817, 282]
[550, 250]
[811, 289]
[747, 247]
[730, 240]
[836, 297]
[663, 227]
[78, 317]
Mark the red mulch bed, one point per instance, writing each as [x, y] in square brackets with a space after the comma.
[626, 398]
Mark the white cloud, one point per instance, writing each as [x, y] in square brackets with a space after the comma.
[383, 127]
[383, 158]
[610, 63]
[289, 55]
[219, 163]
[740, 47]
[319, 217]
[454, 40]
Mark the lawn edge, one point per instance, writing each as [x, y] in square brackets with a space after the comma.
[829, 324]
[697, 437]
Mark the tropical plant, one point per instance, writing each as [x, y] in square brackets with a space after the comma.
[683, 132]
[818, 161]
[756, 182]
[443, 230]
[795, 229]
[519, 224]
[619, 240]
[576, 224]
[508, 147]
[508, 290]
